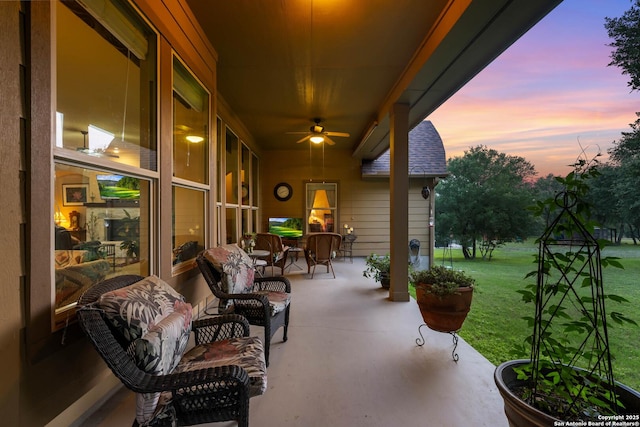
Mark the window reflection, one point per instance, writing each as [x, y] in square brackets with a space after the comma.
[231, 176]
[101, 223]
[190, 126]
[105, 95]
[188, 226]
[321, 204]
[231, 229]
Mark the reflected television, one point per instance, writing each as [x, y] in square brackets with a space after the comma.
[289, 228]
[118, 187]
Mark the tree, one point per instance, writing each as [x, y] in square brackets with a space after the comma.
[604, 197]
[625, 31]
[484, 200]
[625, 156]
[545, 188]
[627, 150]
[625, 159]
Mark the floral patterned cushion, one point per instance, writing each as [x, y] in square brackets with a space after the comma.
[64, 258]
[278, 301]
[246, 352]
[158, 352]
[74, 279]
[132, 310]
[235, 266]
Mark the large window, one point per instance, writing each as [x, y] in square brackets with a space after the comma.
[105, 149]
[232, 144]
[101, 229]
[106, 85]
[190, 166]
[190, 126]
[238, 187]
[321, 206]
[188, 225]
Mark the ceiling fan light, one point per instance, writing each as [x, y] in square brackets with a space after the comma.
[194, 138]
[317, 139]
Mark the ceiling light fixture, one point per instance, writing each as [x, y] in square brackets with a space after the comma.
[194, 138]
[317, 139]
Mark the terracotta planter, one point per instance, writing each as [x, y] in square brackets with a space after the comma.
[521, 414]
[444, 314]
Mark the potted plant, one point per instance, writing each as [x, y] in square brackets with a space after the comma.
[378, 268]
[568, 375]
[444, 297]
[129, 231]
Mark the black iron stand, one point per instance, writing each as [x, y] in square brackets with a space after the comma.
[454, 355]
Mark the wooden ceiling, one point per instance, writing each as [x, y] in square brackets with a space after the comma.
[283, 63]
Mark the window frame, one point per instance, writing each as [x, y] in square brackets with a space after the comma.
[102, 162]
[333, 208]
[178, 182]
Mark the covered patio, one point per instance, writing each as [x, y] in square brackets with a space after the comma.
[352, 360]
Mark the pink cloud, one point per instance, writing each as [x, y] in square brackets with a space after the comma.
[548, 95]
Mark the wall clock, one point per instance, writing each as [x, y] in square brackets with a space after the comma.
[245, 193]
[282, 191]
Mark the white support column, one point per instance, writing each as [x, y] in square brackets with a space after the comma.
[399, 192]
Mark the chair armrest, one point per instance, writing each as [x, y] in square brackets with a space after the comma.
[277, 284]
[197, 382]
[282, 257]
[261, 298]
[220, 328]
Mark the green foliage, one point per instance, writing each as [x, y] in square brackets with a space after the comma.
[377, 266]
[616, 191]
[625, 32]
[129, 232]
[569, 327]
[441, 281]
[494, 326]
[483, 200]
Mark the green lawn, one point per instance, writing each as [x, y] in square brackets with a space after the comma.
[494, 326]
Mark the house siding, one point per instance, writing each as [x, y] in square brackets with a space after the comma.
[12, 208]
[364, 204]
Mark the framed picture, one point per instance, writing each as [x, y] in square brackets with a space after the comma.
[74, 220]
[74, 194]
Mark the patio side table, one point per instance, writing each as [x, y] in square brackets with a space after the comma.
[347, 246]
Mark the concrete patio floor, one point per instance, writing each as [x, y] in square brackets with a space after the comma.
[352, 360]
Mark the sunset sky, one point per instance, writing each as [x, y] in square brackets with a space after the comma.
[548, 94]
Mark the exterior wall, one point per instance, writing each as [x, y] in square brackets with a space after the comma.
[53, 378]
[12, 210]
[363, 204]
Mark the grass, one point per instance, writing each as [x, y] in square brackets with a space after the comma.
[495, 327]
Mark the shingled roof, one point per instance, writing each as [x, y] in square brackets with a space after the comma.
[427, 157]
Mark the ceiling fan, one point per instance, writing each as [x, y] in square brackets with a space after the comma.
[317, 134]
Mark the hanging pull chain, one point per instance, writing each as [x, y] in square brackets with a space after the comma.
[126, 95]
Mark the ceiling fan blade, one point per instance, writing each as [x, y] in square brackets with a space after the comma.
[297, 133]
[342, 134]
[329, 140]
[303, 139]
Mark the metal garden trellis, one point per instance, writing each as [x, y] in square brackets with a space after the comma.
[570, 321]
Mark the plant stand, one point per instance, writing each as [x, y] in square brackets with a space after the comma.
[454, 355]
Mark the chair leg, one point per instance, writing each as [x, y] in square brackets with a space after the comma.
[243, 416]
[286, 323]
[267, 341]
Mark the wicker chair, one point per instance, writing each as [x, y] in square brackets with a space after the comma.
[321, 248]
[278, 253]
[256, 305]
[198, 396]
